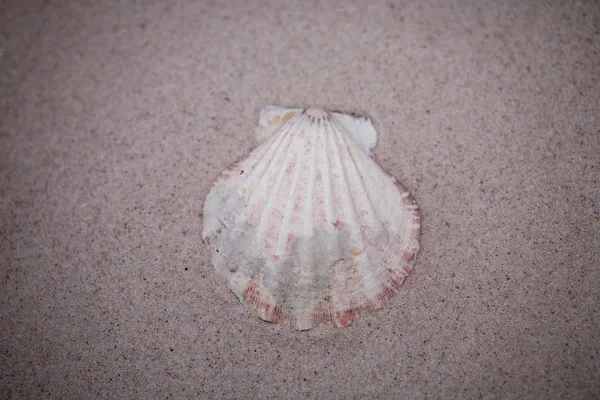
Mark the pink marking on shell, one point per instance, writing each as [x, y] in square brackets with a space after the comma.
[343, 318]
[248, 290]
[396, 277]
[400, 187]
[276, 315]
[414, 233]
[409, 201]
[386, 293]
[251, 295]
[337, 224]
[322, 313]
[356, 252]
[408, 256]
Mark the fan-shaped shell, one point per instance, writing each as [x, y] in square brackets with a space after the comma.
[308, 228]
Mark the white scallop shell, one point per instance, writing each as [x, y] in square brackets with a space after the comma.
[308, 228]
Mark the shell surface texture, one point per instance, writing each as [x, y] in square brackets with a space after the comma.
[308, 229]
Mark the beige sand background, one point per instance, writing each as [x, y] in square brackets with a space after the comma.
[116, 117]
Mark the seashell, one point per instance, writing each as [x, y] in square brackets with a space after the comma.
[308, 229]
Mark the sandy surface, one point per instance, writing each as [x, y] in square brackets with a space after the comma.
[116, 118]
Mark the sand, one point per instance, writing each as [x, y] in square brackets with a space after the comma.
[116, 117]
